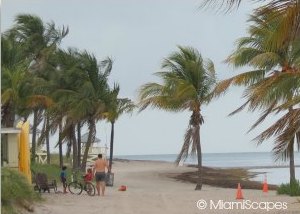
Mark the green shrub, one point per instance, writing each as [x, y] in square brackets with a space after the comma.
[51, 170]
[15, 191]
[292, 189]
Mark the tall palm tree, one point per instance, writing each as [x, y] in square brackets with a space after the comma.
[94, 95]
[83, 91]
[187, 83]
[116, 107]
[39, 41]
[271, 64]
[66, 91]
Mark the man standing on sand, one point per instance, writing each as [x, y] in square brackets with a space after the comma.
[99, 168]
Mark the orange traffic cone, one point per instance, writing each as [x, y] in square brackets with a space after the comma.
[239, 194]
[265, 185]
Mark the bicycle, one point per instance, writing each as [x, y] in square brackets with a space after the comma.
[76, 186]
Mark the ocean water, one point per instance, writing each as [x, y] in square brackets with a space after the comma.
[255, 161]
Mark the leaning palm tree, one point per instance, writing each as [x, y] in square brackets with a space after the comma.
[187, 83]
[71, 105]
[92, 96]
[39, 41]
[116, 107]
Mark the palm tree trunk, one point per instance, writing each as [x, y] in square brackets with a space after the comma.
[41, 140]
[91, 139]
[8, 118]
[60, 145]
[47, 139]
[111, 149]
[33, 142]
[79, 143]
[199, 157]
[291, 155]
[292, 161]
[74, 146]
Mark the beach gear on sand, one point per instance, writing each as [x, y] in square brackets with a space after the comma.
[239, 194]
[122, 188]
[42, 183]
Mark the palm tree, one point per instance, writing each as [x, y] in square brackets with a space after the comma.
[94, 95]
[83, 92]
[187, 85]
[56, 117]
[285, 129]
[13, 80]
[39, 41]
[271, 64]
[117, 107]
[287, 10]
[69, 109]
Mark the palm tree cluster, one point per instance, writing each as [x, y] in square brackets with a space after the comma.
[63, 90]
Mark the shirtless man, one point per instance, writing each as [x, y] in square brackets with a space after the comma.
[99, 168]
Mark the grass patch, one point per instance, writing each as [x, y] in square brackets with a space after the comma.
[54, 159]
[16, 192]
[292, 189]
[51, 170]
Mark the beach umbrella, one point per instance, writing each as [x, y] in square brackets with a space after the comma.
[24, 154]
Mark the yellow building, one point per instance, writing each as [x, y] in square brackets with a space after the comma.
[10, 147]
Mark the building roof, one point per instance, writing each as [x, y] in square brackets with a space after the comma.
[10, 131]
[84, 138]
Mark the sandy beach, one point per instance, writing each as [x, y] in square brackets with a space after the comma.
[151, 191]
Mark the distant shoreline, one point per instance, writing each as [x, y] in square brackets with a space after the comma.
[245, 167]
[215, 167]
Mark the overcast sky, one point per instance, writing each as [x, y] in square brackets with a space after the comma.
[138, 34]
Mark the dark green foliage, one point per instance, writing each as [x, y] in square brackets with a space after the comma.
[292, 189]
[15, 191]
[51, 170]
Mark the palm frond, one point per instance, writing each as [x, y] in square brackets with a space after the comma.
[225, 5]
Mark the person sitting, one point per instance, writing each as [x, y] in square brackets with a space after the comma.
[88, 176]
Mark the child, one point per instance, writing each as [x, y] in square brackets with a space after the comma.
[88, 176]
[63, 178]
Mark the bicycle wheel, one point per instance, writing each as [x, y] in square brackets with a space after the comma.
[75, 188]
[90, 188]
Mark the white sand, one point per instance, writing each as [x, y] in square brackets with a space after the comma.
[150, 191]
